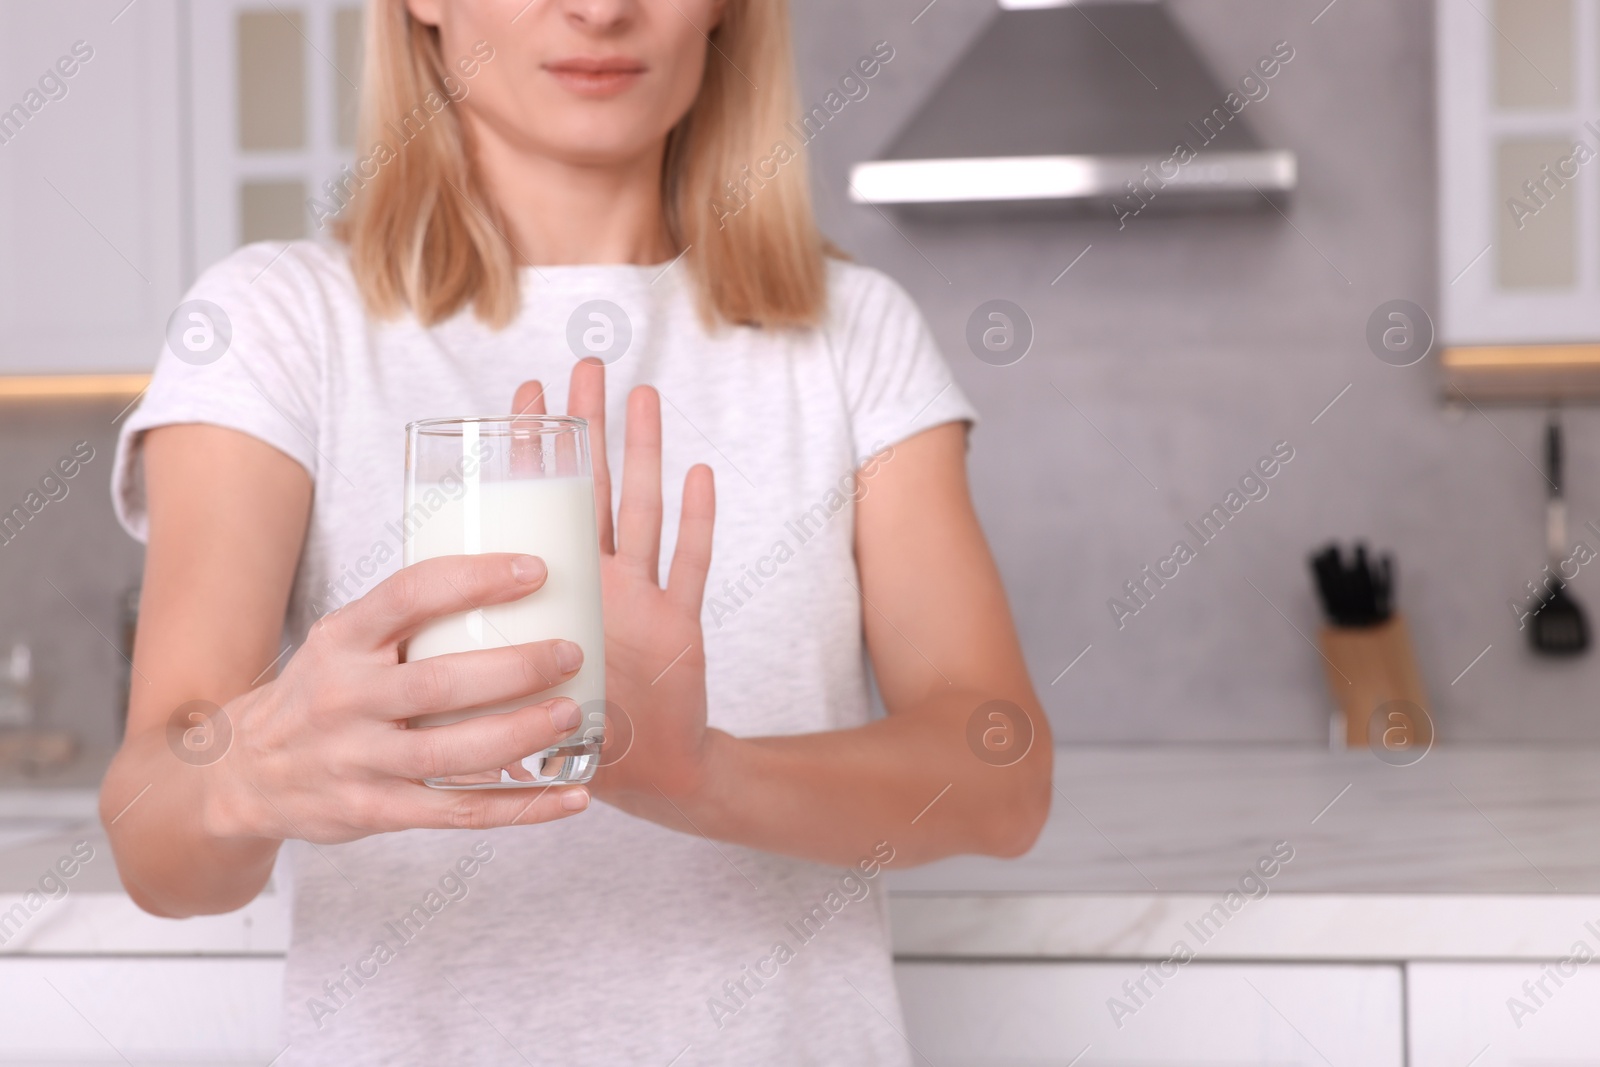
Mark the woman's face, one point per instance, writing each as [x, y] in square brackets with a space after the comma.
[588, 82]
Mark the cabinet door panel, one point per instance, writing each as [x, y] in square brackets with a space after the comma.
[993, 1014]
[274, 99]
[1504, 1014]
[1519, 215]
[118, 1010]
[91, 231]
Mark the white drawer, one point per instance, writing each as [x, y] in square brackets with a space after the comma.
[990, 1014]
[91, 1011]
[1481, 1013]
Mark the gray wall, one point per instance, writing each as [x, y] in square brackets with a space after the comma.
[1194, 343]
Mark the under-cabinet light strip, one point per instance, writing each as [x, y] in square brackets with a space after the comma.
[60, 386]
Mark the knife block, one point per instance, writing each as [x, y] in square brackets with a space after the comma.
[1369, 666]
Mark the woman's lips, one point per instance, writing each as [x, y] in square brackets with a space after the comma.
[596, 77]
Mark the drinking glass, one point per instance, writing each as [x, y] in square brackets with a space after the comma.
[519, 483]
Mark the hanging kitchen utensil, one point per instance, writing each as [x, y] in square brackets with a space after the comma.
[1558, 627]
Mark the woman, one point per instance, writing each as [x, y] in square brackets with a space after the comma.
[724, 903]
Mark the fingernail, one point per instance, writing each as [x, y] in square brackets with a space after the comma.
[569, 657]
[575, 799]
[527, 568]
[564, 715]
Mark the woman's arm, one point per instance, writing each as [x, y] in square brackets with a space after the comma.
[320, 751]
[222, 553]
[942, 644]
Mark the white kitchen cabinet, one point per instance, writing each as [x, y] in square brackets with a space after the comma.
[1481, 1013]
[91, 226]
[1519, 153]
[275, 103]
[91, 1011]
[186, 128]
[990, 1014]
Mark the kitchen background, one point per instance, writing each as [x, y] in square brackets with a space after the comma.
[1175, 352]
[1425, 895]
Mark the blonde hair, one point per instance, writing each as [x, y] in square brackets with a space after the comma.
[424, 235]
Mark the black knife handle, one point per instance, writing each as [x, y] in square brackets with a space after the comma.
[1553, 457]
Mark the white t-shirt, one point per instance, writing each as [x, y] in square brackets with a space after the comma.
[601, 939]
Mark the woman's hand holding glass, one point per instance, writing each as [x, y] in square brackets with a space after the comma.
[322, 752]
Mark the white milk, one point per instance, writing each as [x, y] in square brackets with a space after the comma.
[552, 518]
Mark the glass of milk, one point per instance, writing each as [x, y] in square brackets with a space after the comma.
[518, 483]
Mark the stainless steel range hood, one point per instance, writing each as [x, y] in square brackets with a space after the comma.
[1062, 103]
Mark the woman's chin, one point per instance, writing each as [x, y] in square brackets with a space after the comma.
[590, 145]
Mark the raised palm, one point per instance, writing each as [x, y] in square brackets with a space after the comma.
[656, 737]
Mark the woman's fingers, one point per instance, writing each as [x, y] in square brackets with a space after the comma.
[639, 514]
[686, 582]
[526, 456]
[479, 809]
[529, 399]
[458, 681]
[413, 596]
[586, 398]
[485, 743]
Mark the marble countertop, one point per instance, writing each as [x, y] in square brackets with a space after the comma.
[1477, 854]
[1467, 854]
[1197, 819]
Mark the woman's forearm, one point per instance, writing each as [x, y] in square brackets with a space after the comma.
[910, 779]
[151, 805]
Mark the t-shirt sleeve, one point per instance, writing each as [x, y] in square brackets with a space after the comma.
[895, 381]
[244, 350]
